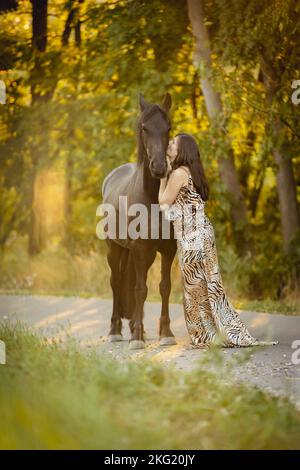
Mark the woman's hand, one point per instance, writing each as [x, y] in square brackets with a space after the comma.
[169, 166]
[164, 180]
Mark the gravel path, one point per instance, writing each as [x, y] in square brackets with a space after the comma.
[271, 368]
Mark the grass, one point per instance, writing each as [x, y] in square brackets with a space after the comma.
[289, 307]
[54, 396]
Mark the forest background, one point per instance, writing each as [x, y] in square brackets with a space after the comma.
[73, 71]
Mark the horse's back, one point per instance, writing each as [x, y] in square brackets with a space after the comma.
[117, 179]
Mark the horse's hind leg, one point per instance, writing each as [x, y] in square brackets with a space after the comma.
[114, 256]
[166, 337]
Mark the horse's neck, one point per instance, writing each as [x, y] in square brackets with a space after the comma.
[150, 184]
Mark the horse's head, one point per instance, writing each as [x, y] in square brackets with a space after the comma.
[154, 128]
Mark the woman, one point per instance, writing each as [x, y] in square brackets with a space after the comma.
[209, 316]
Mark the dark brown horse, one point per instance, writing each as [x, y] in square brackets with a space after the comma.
[130, 259]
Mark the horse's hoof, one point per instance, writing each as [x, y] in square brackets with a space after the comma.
[167, 341]
[136, 344]
[114, 338]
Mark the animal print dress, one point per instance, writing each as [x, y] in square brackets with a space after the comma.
[210, 317]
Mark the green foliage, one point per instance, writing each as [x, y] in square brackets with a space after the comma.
[71, 114]
[56, 271]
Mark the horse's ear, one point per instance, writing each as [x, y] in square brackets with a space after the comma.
[143, 102]
[167, 102]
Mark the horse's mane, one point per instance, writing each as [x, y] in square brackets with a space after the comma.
[145, 115]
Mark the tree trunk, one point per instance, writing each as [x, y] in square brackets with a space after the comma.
[228, 173]
[8, 5]
[287, 194]
[72, 22]
[286, 185]
[39, 44]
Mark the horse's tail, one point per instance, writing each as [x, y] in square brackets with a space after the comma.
[128, 280]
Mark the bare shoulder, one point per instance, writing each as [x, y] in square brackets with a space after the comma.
[180, 173]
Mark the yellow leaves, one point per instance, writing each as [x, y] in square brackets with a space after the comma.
[79, 134]
[143, 21]
[229, 69]
[112, 6]
[150, 54]
[124, 48]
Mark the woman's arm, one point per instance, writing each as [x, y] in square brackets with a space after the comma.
[162, 187]
[170, 186]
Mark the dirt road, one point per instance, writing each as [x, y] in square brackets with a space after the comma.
[271, 368]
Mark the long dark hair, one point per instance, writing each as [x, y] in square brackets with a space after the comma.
[189, 155]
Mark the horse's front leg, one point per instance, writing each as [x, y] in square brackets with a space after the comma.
[166, 337]
[113, 257]
[143, 259]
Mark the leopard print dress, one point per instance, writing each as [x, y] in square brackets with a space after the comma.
[210, 318]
